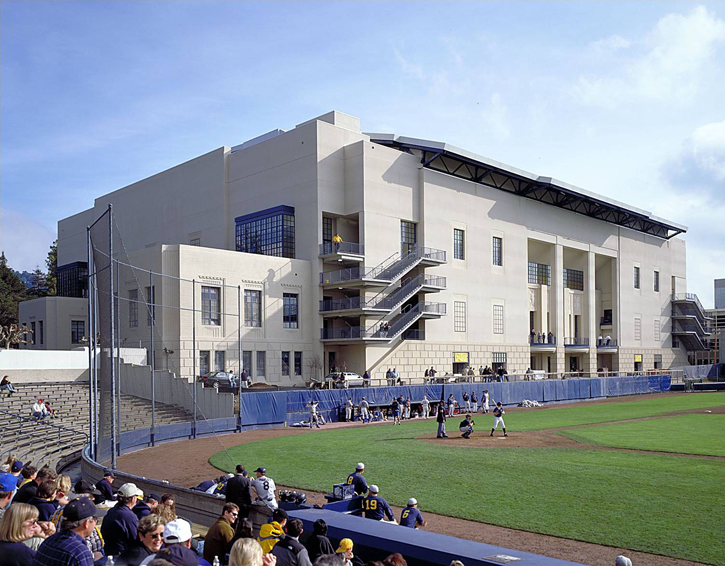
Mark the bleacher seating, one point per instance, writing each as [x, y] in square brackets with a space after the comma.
[43, 444]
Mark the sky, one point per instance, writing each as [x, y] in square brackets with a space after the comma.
[625, 99]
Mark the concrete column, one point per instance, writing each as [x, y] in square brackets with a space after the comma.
[592, 321]
[557, 304]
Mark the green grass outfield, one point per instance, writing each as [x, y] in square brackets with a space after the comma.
[658, 503]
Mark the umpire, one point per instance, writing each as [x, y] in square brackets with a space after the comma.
[239, 491]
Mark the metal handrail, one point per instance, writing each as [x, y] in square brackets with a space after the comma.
[36, 422]
[327, 248]
[534, 341]
[604, 343]
[689, 297]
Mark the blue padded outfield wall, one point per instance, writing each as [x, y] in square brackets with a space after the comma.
[291, 406]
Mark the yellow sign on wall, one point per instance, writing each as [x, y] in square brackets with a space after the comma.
[460, 357]
[638, 358]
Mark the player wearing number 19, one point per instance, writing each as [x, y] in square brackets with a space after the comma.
[265, 488]
[375, 507]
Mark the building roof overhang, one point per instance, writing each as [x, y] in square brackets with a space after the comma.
[450, 160]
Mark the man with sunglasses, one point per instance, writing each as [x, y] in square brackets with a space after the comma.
[220, 534]
[68, 546]
[150, 539]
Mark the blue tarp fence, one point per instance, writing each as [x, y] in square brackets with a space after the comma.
[292, 406]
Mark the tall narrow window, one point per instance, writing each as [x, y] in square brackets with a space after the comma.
[261, 364]
[210, 311]
[150, 305]
[252, 308]
[77, 331]
[497, 250]
[326, 235]
[459, 316]
[298, 363]
[656, 281]
[459, 244]
[247, 361]
[133, 308]
[498, 319]
[42, 333]
[204, 356]
[33, 335]
[289, 310]
[636, 277]
[408, 237]
[285, 363]
[637, 328]
[219, 361]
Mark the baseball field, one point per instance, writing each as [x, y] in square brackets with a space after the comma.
[644, 474]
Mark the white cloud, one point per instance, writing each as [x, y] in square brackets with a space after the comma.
[707, 148]
[495, 118]
[24, 240]
[670, 63]
[610, 44]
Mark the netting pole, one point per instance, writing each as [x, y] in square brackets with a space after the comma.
[118, 349]
[153, 366]
[96, 353]
[91, 346]
[193, 345]
[111, 342]
[239, 347]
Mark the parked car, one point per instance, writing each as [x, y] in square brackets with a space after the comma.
[217, 380]
[351, 379]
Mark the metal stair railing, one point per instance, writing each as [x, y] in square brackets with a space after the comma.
[405, 291]
[412, 313]
[690, 297]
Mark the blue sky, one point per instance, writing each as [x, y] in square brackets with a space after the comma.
[626, 99]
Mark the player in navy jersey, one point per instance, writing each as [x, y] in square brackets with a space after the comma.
[498, 414]
[411, 517]
[375, 507]
[357, 480]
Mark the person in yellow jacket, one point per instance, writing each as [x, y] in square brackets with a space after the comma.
[271, 533]
[337, 240]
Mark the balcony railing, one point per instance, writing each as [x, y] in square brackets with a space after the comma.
[690, 328]
[348, 274]
[606, 343]
[574, 341]
[341, 304]
[688, 297]
[542, 340]
[328, 248]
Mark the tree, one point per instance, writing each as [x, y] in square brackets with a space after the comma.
[13, 334]
[12, 291]
[38, 284]
[51, 264]
[314, 363]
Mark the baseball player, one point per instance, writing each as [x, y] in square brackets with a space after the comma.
[357, 480]
[364, 411]
[349, 409]
[407, 408]
[376, 507]
[484, 400]
[441, 418]
[467, 401]
[395, 408]
[264, 488]
[474, 402]
[426, 407]
[313, 414]
[498, 414]
[466, 427]
[411, 517]
[451, 405]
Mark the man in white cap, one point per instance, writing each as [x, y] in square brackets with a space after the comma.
[375, 507]
[411, 517]
[120, 526]
[622, 561]
[357, 480]
[265, 488]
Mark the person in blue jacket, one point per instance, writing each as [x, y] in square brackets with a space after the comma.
[375, 507]
[411, 517]
[120, 526]
[357, 480]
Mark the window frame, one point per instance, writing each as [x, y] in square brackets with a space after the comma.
[290, 310]
[498, 319]
[252, 308]
[459, 244]
[75, 325]
[459, 316]
[211, 315]
[247, 359]
[285, 359]
[261, 359]
[133, 308]
[497, 251]
[219, 355]
[298, 364]
[637, 277]
[637, 328]
[656, 281]
[204, 354]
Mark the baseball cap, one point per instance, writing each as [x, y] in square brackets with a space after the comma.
[261, 470]
[177, 530]
[279, 515]
[412, 501]
[8, 482]
[108, 473]
[623, 561]
[129, 490]
[17, 466]
[374, 489]
[345, 545]
[152, 496]
[178, 555]
[79, 509]
[360, 466]
[84, 486]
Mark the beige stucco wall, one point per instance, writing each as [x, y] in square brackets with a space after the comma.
[56, 313]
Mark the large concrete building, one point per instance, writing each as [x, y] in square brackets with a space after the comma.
[447, 259]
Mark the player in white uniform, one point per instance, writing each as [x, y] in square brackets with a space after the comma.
[364, 411]
[426, 407]
[265, 488]
[484, 400]
[313, 414]
[349, 409]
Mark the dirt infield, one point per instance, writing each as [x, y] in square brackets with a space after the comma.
[186, 464]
